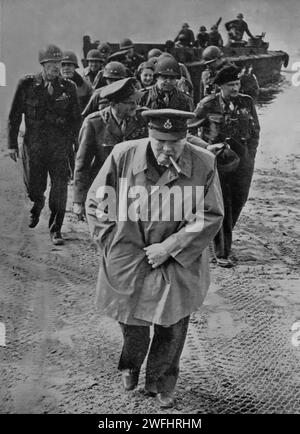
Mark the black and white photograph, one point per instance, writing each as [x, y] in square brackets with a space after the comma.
[150, 216]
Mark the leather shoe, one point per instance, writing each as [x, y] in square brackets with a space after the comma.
[130, 379]
[165, 399]
[225, 262]
[56, 238]
[151, 389]
[33, 220]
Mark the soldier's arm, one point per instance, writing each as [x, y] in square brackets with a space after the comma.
[84, 158]
[15, 115]
[101, 204]
[246, 29]
[74, 117]
[188, 243]
[253, 141]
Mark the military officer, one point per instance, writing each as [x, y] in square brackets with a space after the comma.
[69, 64]
[165, 93]
[214, 60]
[132, 58]
[105, 51]
[154, 270]
[230, 116]
[101, 131]
[92, 73]
[52, 119]
[113, 71]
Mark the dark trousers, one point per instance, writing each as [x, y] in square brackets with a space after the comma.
[37, 163]
[235, 189]
[162, 368]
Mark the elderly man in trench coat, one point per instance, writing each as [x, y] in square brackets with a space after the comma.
[154, 268]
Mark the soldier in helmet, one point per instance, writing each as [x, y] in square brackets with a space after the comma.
[214, 60]
[50, 107]
[132, 58]
[103, 129]
[236, 28]
[113, 71]
[105, 51]
[92, 71]
[230, 116]
[165, 93]
[202, 38]
[188, 35]
[69, 64]
[214, 37]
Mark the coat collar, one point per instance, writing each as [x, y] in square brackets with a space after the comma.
[140, 163]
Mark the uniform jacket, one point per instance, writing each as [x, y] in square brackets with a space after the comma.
[238, 121]
[49, 119]
[99, 133]
[128, 289]
[95, 81]
[153, 98]
[84, 89]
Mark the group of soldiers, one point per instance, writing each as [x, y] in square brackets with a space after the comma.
[69, 115]
[116, 125]
[235, 28]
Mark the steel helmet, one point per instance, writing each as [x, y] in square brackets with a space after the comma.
[167, 66]
[104, 48]
[114, 70]
[203, 28]
[94, 55]
[210, 54]
[70, 57]
[50, 53]
[126, 44]
[155, 52]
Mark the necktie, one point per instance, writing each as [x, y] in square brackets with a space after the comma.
[166, 99]
[123, 127]
[49, 87]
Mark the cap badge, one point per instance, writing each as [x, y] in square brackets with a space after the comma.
[168, 124]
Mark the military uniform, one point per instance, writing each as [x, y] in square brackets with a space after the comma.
[153, 98]
[52, 123]
[99, 133]
[95, 80]
[237, 121]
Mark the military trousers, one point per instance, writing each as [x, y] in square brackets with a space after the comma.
[38, 162]
[235, 190]
[162, 367]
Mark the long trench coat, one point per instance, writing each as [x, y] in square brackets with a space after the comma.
[128, 289]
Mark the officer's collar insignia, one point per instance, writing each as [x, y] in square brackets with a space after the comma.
[168, 124]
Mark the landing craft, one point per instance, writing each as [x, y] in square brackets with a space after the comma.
[255, 53]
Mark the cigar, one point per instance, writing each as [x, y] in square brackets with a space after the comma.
[176, 167]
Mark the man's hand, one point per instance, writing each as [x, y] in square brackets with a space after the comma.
[156, 254]
[78, 209]
[13, 154]
[215, 147]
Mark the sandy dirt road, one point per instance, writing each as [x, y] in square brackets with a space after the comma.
[61, 356]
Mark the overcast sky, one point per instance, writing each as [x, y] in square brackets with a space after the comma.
[29, 24]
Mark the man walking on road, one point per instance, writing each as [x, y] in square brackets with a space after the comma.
[154, 267]
[52, 120]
